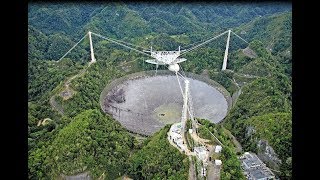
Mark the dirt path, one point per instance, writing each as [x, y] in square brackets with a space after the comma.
[246, 75]
[234, 140]
[196, 138]
[55, 105]
[67, 90]
[192, 170]
[243, 75]
[75, 76]
[213, 172]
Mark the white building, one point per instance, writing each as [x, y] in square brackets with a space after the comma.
[201, 152]
[175, 136]
[218, 149]
[217, 162]
[176, 128]
[254, 168]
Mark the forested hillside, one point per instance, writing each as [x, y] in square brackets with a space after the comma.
[71, 21]
[90, 142]
[266, 101]
[158, 160]
[82, 139]
[277, 32]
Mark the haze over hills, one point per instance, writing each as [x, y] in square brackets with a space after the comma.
[260, 117]
[136, 20]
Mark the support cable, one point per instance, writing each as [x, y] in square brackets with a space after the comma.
[184, 74]
[239, 37]
[121, 44]
[179, 84]
[206, 42]
[190, 110]
[73, 47]
[119, 41]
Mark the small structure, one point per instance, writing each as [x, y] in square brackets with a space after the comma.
[217, 162]
[176, 137]
[203, 172]
[201, 153]
[254, 168]
[218, 149]
[190, 131]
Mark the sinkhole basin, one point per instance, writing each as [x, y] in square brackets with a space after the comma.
[144, 102]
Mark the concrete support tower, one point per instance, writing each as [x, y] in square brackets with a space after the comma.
[91, 49]
[224, 65]
[185, 109]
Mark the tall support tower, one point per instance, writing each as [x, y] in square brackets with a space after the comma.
[91, 49]
[185, 108]
[191, 112]
[224, 65]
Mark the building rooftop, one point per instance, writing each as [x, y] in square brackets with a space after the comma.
[254, 168]
[200, 149]
[218, 162]
[175, 136]
[218, 149]
[251, 160]
[201, 152]
[176, 128]
[258, 173]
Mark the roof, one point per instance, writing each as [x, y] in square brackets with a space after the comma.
[201, 152]
[176, 127]
[175, 135]
[258, 174]
[200, 149]
[254, 167]
[218, 148]
[251, 160]
[218, 162]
